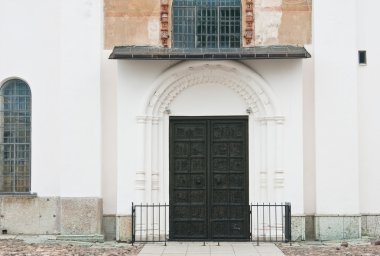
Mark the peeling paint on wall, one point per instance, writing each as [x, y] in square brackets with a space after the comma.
[153, 30]
[137, 22]
[267, 21]
[296, 22]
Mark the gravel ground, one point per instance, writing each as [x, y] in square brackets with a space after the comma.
[354, 248]
[17, 247]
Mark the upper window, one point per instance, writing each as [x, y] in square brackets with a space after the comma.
[15, 148]
[206, 23]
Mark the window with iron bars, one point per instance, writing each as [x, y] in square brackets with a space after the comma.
[206, 23]
[15, 130]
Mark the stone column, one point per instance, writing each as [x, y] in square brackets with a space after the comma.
[140, 172]
[155, 158]
[148, 160]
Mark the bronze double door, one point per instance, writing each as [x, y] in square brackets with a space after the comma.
[209, 178]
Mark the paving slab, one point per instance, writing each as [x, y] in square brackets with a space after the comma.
[210, 249]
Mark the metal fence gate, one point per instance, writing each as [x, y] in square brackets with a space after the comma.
[268, 222]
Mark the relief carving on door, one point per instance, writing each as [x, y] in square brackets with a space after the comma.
[209, 179]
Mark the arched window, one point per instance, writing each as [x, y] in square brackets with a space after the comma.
[206, 23]
[15, 147]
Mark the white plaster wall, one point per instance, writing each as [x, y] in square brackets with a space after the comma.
[109, 76]
[286, 79]
[29, 49]
[309, 133]
[80, 97]
[336, 121]
[369, 106]
[208, 100]
[135, 80]
[55, 47]
[133, 87]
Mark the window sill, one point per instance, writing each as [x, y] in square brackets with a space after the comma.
[6, 194]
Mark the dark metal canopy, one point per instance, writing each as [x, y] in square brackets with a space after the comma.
[161, 53]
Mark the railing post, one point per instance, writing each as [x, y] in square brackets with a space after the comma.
[166, 223]
[133, 224]
[288, 222]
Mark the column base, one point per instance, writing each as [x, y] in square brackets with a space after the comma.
[124, 228]
[371, 225]
[337, 227]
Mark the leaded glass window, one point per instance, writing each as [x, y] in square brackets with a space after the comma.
[15, 148]
[206, 23]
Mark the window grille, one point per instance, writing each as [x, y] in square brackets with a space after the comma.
[15, 130]
[206, 24]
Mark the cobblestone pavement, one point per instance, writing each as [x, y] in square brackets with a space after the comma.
[354, 248]
[30, 247]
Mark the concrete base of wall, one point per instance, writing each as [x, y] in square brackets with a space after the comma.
[109, 227]
[371, 225]
[33, 215]
[81, 238]
[337, 227]
[333, 227]
[298, 228]
[124, 228]
[309, 228]
[76, 218]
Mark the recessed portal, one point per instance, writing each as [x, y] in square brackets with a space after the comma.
[209, 178]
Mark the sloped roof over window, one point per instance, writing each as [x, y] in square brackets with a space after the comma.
[257, 52]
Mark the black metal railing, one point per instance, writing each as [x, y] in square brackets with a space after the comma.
[268, 222]
[150, 223]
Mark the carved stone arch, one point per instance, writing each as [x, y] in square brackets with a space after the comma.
[252, 88]
[265, 127]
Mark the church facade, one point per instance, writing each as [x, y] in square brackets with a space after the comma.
[204, 105]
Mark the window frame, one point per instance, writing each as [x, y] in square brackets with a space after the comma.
[28, 109]
[218, 34]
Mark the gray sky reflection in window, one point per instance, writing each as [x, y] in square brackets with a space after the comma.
[206, 23]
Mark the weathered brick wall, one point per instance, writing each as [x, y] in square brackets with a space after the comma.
[283, 22]
[137, 22]
[131, 22]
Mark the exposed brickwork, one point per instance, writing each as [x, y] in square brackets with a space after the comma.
[164, 23]
[249, 21]
[131, 22]
[265, 22]
[295, 25]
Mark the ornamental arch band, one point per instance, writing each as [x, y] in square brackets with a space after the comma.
[266, 126]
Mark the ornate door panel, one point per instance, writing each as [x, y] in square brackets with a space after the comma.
[188, 180]
[208, 178]
[229, 179]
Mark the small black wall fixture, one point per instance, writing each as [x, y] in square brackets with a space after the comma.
[362, 57]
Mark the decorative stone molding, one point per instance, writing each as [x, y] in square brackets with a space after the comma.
[155, 120]
[265, 124]
[277, 119]
[208, 76]
[141, 119]
[250, 86]
[164, 33]
[250, 21]
[263, 180]
[155, 181]
[279, 179]
[140, 180]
